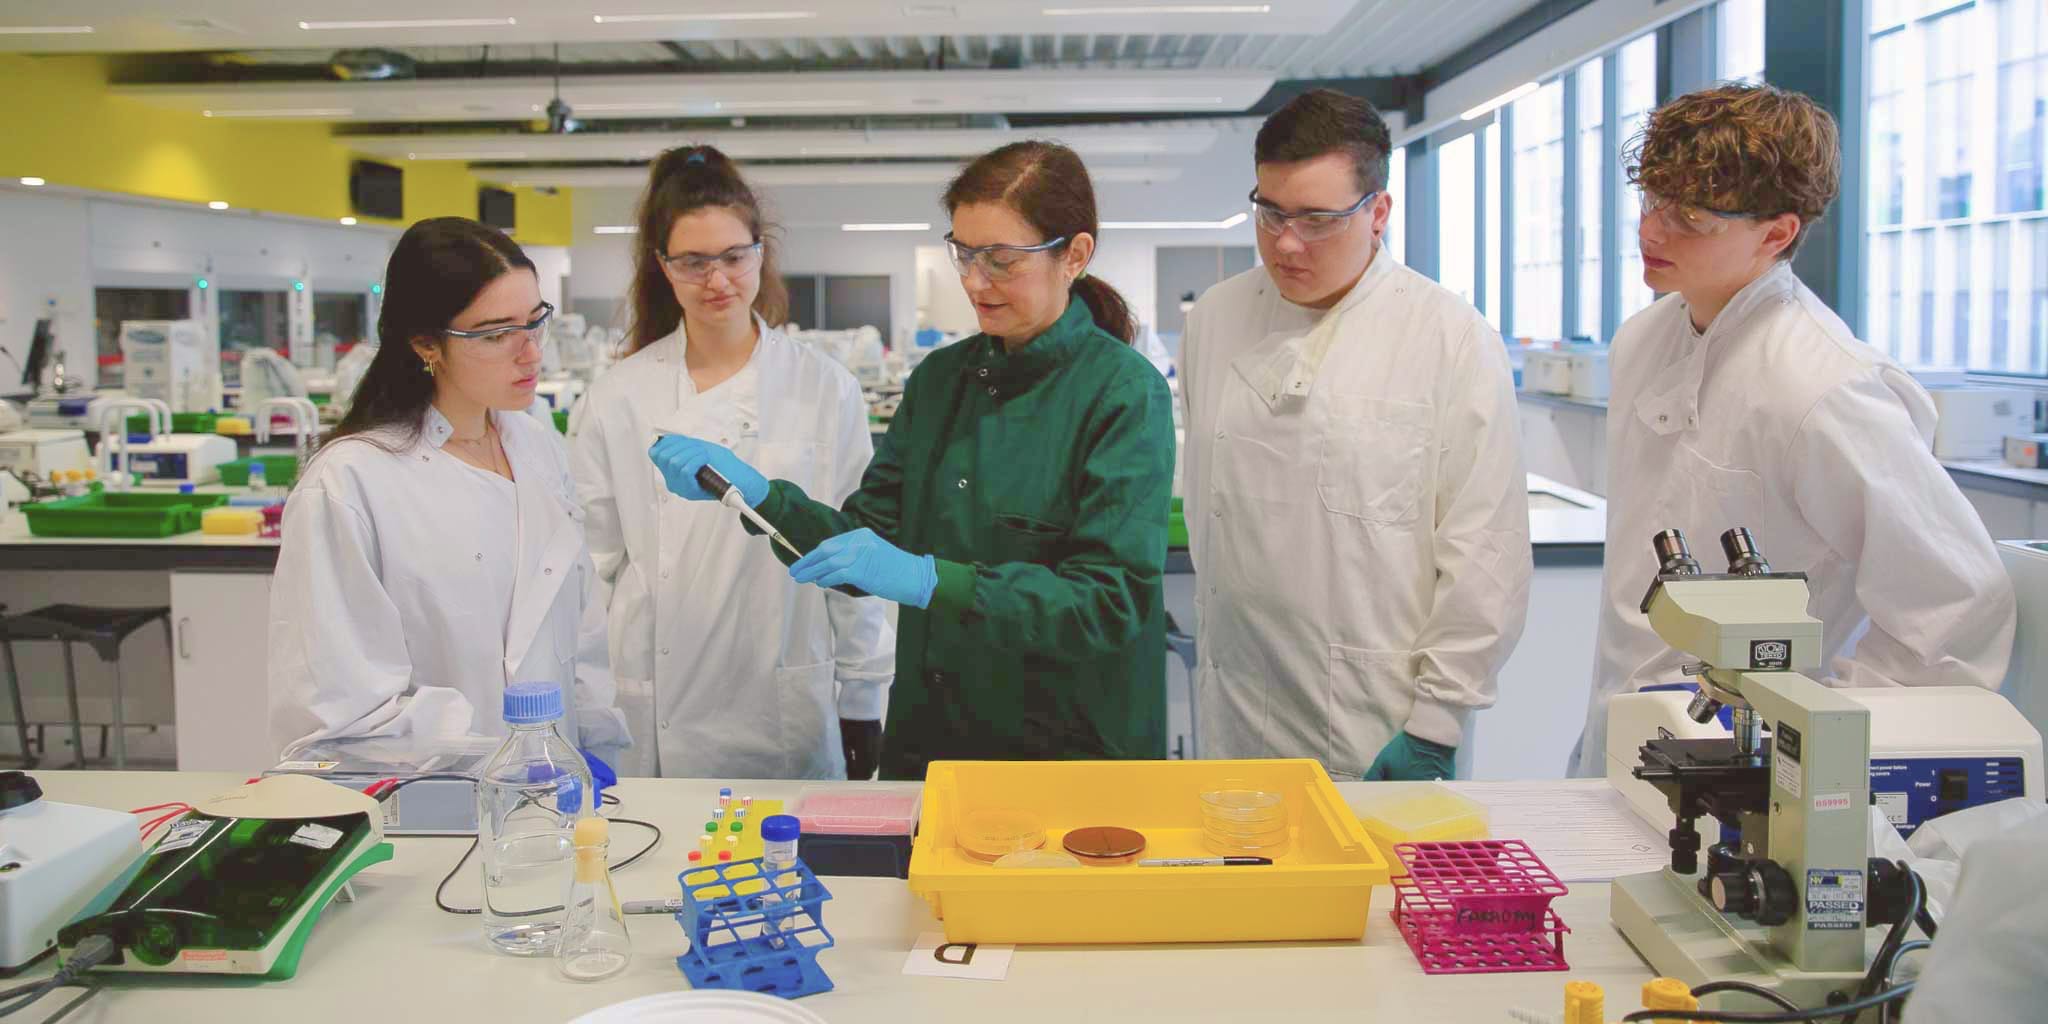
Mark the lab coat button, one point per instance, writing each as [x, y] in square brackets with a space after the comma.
[991, 392]
[664, 652]
[963, 483]
[984, 371]
[547, 572]
[1661, 418]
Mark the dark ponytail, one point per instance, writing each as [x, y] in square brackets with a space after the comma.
[437, 269]
[1048, 186]
[683, 180]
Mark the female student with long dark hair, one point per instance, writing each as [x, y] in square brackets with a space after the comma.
[1016, 510]
[433, 550]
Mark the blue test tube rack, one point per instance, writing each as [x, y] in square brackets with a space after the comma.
[733, 944]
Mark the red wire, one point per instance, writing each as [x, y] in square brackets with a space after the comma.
[159, 807]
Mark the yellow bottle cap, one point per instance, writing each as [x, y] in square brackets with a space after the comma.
[1585, 1002]
[1668, 994]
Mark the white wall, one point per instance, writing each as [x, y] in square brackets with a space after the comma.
[44, 269]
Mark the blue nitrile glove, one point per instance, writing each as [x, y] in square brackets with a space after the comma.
[679, 458]
[867, 561]
[1407, 758]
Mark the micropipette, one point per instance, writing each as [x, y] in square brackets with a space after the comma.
[730, 497]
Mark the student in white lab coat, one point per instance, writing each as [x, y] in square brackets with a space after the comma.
[433, 550]
[726, 667]
[1356, 505]
[1740, 399]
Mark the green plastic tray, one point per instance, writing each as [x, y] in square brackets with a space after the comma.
[1176, 526]
[117, 514]
[181, 422]
[278, 470]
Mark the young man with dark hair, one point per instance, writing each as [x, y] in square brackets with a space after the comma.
[1357, 510]
[1740, 399]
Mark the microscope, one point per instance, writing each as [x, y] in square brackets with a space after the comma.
[1787, 889]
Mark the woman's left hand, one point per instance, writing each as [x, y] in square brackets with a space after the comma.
[864, 560]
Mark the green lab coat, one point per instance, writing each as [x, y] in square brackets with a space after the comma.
[1039, 481]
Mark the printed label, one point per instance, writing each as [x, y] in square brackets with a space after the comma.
[1897, 807]
[183, 834]
[211, 960]
[1770, 654]
[1785, 770]
[317, 836]
[308, 766]
[1834, 900]
[1833, 802]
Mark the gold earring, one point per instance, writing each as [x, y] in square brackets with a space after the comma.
[429, 368]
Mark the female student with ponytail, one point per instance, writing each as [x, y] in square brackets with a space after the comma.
[1016, 510]
[725, 667]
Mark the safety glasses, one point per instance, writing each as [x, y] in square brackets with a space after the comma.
[997, 262]
[696, 268]
[1688, 220]
[502, 342]
[1309, 225]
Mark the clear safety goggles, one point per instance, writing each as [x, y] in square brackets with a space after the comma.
[1688, 220]
[1309, 225]
[503, 342]
[696, 267]
[997, 262]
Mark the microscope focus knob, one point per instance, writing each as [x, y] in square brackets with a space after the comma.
[1733, 893]
[1778, 897]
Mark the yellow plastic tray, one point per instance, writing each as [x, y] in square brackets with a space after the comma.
[1320, 888]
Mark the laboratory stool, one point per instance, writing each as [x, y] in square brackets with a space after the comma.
[101, 628]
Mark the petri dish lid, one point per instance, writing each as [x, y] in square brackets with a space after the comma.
[706, 1007]
[989, 834]
[1236, 799]
[1104, 842]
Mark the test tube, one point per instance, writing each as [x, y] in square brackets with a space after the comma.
[718, 813]
[704, 842]
[746, 801]
[725, 855]
[732, 842]
[739, 826]
[739, 812]
[724, 795]
[696, 855]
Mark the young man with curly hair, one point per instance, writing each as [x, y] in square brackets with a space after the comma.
[1740, 399]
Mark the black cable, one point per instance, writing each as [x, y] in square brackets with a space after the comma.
[1745, 987]
[1787, 1017]
[441, 901]
[1881, 964]
[76, 1001]
[90, 952]
[385, 794]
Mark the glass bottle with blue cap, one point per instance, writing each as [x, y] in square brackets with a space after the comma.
[529, 797]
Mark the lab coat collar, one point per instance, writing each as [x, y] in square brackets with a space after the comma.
[1012, 372]
[435, 429]
[1671, 402]
[678, 345]
[1287, 372]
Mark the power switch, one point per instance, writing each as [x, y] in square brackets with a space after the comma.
[1955, 785]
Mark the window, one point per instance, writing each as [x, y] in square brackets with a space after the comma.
[1593, 173]
[341, 319]
[1538, 123]
[1489, 261]
[1456, 252]
[251, 320]
[1956, 152]
[1397, 188]
[1740, 30]
[1638, 96]
[114, 306]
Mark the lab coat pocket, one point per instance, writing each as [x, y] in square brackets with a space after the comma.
[1021, 538]
[810, 722]
[1371, 456]
[1719, 497]
[1371, 693]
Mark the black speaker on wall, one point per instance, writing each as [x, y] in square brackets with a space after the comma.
[496, 207]
[376, 190]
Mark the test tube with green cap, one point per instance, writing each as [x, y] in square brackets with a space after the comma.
[739, 826]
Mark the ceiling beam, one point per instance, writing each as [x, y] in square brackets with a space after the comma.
[1520, 27]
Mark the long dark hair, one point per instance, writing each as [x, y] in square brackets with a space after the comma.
[684, 180]
[1048, 186]
[437, 269]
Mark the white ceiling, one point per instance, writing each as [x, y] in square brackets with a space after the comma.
[1293, 38]
[803, 94]
[1158, 139]
[802, 175]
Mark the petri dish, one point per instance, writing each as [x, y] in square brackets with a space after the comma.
[1104, 845]
[989, 835]
[1237, 800]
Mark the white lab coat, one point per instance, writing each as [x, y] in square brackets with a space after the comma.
[1779, 420]
[1357, 513]
[727, 668]
[412, 587]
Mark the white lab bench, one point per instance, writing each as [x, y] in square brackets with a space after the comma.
[393, 953]
[212, 685]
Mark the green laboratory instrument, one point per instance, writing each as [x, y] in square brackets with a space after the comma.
[236, 886]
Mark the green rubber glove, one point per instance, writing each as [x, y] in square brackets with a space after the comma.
[1406, 758]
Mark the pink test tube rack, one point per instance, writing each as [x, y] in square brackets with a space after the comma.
[1480, 907]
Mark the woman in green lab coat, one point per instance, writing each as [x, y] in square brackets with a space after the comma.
[1017, 508]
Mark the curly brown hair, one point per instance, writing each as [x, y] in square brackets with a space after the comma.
[1753, 149]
